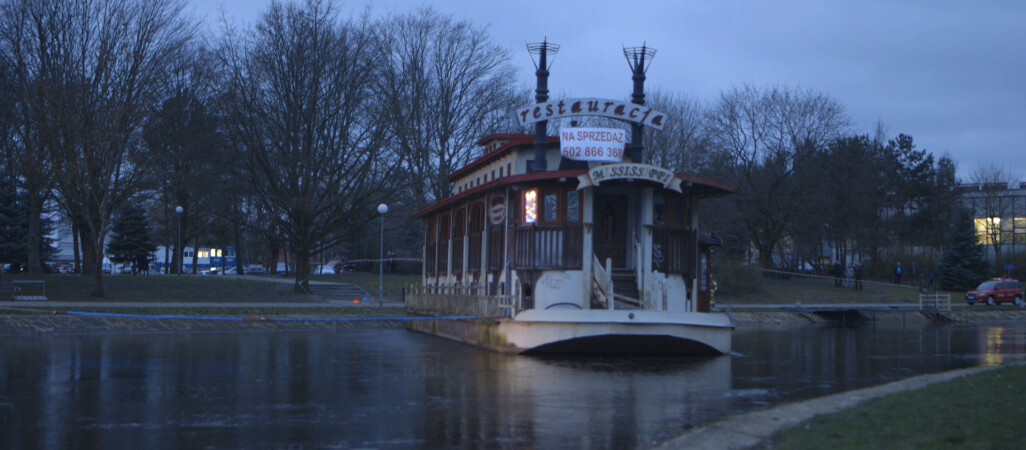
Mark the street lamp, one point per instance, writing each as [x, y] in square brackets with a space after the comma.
[181, 254]
[382, 209]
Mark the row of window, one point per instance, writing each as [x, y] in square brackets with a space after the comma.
[478, 181]
[994, 230]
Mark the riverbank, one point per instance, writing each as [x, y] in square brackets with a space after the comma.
[955, 408]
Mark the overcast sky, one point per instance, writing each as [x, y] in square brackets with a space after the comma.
[952, 74]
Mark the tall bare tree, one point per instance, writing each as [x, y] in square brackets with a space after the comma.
[682, 145]
[89, 72]
[446, 85]
[302, 114]
[765, 132]
[184, 148]
[993, 181]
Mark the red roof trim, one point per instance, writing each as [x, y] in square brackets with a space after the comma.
[516, 140]
[501, 182]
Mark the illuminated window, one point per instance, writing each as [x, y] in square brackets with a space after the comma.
[219, 253]
[531, 206]
[203, 254]
[988, 230]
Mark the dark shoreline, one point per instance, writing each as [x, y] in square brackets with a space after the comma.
[59, 323]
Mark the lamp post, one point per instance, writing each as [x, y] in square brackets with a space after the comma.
[382, 209]
[181, 254]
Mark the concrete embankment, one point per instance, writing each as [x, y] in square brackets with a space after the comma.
[788, 318]
[70, 324]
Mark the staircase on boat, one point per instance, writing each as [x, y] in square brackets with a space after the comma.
[619, 284]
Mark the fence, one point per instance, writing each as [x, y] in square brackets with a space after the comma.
[935, 302]
[460, 301]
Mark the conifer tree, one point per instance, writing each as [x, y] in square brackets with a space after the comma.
[963, 265]
[131, 240]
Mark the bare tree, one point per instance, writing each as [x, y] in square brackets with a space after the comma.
[88, 73]
[184, 148]
[446, 86]
[301, 112]
[765, 133]
[682, 144]
[993, 181]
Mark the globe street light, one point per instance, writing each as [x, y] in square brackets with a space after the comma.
[382, 209]
[179, 210]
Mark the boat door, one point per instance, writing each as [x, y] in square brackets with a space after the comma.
[610, 238]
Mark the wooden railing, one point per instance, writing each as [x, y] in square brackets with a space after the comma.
[548, 247]
[460, 301]
[674, 251]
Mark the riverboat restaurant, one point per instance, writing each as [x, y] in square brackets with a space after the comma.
[581, 235]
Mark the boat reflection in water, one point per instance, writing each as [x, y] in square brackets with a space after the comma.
[394, 388]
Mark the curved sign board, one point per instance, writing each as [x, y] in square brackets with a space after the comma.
[575, 107]
[655, 174]
[592, 144]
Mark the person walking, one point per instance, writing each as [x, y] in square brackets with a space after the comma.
[858, 277]
[897, 274]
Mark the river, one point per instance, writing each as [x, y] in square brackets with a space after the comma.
[388, 388]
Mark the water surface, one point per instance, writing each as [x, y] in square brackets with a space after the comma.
[386, 388]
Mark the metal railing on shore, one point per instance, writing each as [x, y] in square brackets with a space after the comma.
[935, 302]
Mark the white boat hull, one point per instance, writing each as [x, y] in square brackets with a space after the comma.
[593, 332]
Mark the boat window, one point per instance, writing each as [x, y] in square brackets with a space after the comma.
[678, 212]
[573, 206]
[658, 210]
[551, 207]
[477, 218]
[445, 227]
[461, 223]
[530, 206]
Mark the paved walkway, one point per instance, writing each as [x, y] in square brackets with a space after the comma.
[755, 429]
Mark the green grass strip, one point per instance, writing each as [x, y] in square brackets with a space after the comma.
[985, 410]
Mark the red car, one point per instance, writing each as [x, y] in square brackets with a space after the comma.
[996, 291]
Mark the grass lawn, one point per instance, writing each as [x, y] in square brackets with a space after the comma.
[393, 283]
[161, 288]
[816, 290]
[985, 410]
[192, 288]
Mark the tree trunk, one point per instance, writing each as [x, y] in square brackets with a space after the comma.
[302, 258]
[35, 261]
[89, 263]
[75, 238]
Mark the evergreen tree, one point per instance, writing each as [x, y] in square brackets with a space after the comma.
[963, 265]
[131, 240]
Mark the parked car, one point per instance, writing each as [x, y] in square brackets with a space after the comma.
[255, 270]
[996, 291]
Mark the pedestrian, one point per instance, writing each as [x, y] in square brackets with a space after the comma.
[837, 272]
[712, 292]
[897, 274]
[858, 277]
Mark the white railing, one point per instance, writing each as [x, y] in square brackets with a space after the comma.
[935, 302]
[602, 280]
[461, 301]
